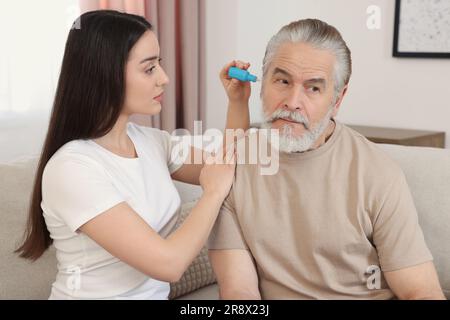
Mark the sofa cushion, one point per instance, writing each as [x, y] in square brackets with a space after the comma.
[188, 192]
[210, 292]
[200, 273]
[20, 278]
[427, 171]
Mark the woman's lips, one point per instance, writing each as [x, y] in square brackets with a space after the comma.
[159, 98]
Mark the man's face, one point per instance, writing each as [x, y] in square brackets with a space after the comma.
[298, 93]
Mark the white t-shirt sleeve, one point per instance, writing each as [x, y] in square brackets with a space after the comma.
[76, 189]
[177, 150]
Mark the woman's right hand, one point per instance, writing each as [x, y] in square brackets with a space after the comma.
[217, 175]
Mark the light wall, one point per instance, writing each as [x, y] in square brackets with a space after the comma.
[33, 35]
[384, 91]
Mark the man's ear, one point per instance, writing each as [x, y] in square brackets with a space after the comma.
[338, 102]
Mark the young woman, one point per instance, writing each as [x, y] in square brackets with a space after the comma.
[103, 193]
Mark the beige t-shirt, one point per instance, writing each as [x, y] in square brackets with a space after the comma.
[324, 225]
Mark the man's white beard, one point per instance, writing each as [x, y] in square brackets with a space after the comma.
[287, 141]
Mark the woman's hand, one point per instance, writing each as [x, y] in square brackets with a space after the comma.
[238, 92]
[216, 177]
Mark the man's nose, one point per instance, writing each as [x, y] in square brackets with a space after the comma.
[295, 100]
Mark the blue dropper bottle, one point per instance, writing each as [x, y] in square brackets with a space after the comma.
[242, 75]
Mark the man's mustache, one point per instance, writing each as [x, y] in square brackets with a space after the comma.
[288, 115]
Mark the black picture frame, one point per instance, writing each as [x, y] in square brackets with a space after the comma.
[410, 54]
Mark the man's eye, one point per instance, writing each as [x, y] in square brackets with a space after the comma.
[282, 81]
[314, 89]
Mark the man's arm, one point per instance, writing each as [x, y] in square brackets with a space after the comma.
[414, 283]
[236, 274]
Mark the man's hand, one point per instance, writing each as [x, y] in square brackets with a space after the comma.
[238, 92]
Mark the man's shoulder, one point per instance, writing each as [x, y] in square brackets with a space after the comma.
[368, 154]
[252, 160]
[254, 151]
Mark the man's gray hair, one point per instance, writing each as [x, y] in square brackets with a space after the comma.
[321, 36]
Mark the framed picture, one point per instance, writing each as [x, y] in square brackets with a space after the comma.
[422, 28]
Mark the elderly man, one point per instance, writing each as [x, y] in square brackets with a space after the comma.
[337, 221]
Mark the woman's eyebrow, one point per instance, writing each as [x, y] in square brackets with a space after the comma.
[149, 59]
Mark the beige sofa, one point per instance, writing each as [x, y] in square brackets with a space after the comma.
[427, 171]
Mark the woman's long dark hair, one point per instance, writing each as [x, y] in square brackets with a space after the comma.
[88, 100]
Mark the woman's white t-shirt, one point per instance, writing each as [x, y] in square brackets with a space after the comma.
[83, 180]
